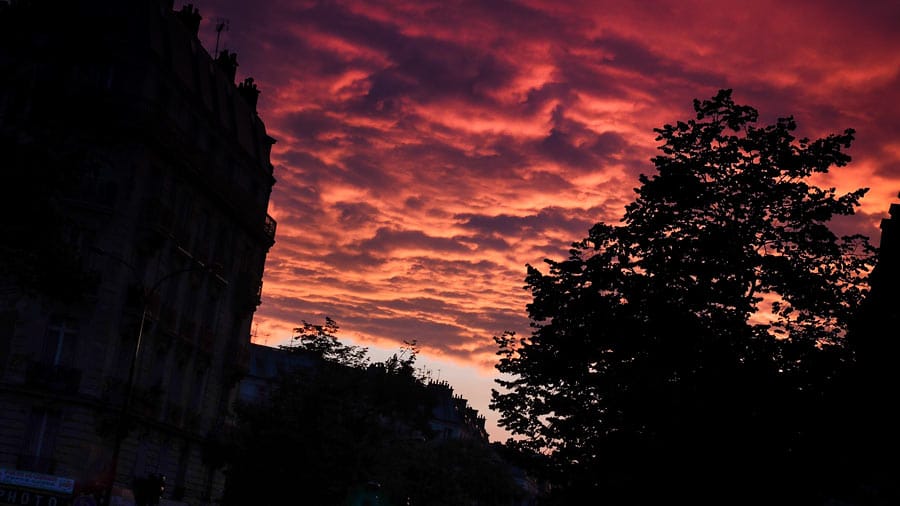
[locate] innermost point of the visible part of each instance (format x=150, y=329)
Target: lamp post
x=129, y=385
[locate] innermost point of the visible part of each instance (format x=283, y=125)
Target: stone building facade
x=147, y=169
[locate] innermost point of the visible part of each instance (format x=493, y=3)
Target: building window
x=60, y=341
x=176, y=387
x=185, y=213
x=40, y=441
x=7, y=330
x=198, y=390
x=158, y=367
x=222, y=251
x=200, y=244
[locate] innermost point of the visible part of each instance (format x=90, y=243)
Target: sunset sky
x=427, y=151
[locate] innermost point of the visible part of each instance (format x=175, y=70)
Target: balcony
x=54, y=378
x=247, y=293
x=269, y=227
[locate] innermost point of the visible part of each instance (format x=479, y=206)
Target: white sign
x=37, y=481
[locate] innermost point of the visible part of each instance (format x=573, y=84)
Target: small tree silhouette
x=321, y=340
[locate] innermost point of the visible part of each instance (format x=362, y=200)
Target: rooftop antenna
x=221, y=25
x=255, y=334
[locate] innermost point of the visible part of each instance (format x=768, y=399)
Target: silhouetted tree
x=690, y=352
x=447, y=472
x=333, y=428
x=308, y=443
x=322, y=341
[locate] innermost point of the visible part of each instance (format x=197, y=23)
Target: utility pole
x=123, y=415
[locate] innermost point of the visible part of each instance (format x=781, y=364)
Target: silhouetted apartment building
x=266, y=365
x=875, y=419
x=880, y=320
x=452, y=417
x=136, y=179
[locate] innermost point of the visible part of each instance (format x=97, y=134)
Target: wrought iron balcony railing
x=269, y=227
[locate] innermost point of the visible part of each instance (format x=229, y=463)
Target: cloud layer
x=428, y=150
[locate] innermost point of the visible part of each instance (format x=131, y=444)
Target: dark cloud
x=861, y=223
x=311, y=123
x=548, y=182
x=387, y=240
x=342, y=22
x=632, y=55
x=573, y=144
x=437, y=160
x=519, y=226
x=453, y=269
x=352, y=261
x=311, y=167
x=366, y=172
x=414, y=203
x=488, y=242
x=299, y=272
x=432, y=334
x=425, y=68
x=356, y=214
x=554, y=92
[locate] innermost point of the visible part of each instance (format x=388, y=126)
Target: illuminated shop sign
x=24, y=488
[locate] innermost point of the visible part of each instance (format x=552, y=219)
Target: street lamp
x=147, y=292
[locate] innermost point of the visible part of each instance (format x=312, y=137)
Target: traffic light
x=148, y=491
x=157, y=487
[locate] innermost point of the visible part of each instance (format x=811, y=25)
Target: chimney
x=228, y=62
x=249, y=91
x=191, y=18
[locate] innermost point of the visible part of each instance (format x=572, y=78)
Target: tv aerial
x=221, y=26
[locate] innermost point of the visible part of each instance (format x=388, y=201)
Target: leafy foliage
x=330, y=428
x=322, y=341
x=704, y=335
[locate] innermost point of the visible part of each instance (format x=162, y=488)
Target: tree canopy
x=342, y=430
x=690, y=351
x=322, y=341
